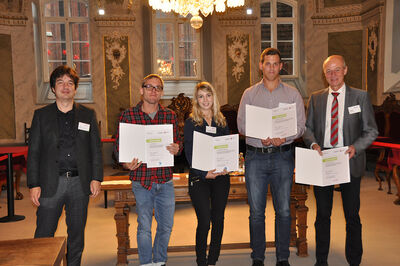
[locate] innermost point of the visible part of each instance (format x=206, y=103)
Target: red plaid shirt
x=135, y=115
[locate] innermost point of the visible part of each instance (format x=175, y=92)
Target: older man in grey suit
x=340, y=116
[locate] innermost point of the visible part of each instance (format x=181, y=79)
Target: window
x=176, y=48
x=61, y=34
x=66, y=38
x=279, y=30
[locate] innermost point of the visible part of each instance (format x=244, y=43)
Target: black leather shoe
x=321, y=263
x=283, y=263
x=257, y=263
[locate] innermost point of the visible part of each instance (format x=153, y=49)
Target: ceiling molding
x=115, y=21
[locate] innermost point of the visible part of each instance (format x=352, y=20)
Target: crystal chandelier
x=194, y=7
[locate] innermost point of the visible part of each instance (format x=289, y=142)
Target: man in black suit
x=340, y=116
x=64, y=162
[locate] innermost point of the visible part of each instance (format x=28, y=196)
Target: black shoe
x=258, y=263
x=283, y=263
x=321, y=263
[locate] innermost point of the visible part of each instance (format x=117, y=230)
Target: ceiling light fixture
x=194, y=7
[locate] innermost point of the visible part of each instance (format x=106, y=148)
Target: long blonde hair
x=197, y=115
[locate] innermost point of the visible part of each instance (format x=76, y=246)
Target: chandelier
x=194, y=7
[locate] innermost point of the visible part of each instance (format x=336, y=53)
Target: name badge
x=212, y=130
x=354, y=109
x=83, y=126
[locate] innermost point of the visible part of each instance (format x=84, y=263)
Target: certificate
x=148, y=143
x=280, y=122
x=329, y=169
x=215, y=152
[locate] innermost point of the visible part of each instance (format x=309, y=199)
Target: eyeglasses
x=150, y=87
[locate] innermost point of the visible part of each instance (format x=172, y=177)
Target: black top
x=66, y=155
x=189, y=128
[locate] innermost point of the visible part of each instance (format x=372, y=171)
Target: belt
x=272, y=149
x=69, y=173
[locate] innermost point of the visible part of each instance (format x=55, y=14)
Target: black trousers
x=351, y=207
x=69, y=194
x=209, y=198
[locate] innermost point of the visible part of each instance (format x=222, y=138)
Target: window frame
x=44, y=94
x=274, y=21
x=68, y=21
x=175, y=20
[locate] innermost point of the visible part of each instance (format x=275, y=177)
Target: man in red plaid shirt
x=153, y=187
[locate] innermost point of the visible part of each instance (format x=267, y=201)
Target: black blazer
x=42, y=169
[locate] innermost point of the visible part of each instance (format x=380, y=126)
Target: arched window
x=279, y=30
x=61, y=29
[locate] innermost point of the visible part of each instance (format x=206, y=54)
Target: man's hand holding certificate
x=220, y=153
x=329, y=169
x=147, y=143
x=263, y=123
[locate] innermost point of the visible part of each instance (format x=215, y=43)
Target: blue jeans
x=161, y=198
x=275, y=169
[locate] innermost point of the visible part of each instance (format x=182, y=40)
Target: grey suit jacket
x=42, y=169
x=359, y=129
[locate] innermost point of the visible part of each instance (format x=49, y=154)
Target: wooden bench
x=124, y=198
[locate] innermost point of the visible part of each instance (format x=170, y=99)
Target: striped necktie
x=335, y=120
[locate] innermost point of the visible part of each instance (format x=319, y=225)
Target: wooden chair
x=387, y=117
x=396, y=177
x=230, y=112
x=394, y=156
x=381, y=154
x=394, y=162
x=19, y=166
x=182, y=106
x=26, y=133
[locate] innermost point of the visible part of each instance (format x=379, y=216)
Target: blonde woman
x=208, y=189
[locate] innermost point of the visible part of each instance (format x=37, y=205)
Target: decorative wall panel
x=117, y=82
x=373, y=46
x=238, y=65
x=7, y=107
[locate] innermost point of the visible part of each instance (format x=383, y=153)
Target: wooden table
x=37, y=251
x=9, y=150
x=124, y=198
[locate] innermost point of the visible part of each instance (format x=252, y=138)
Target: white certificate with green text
x=280, y=122
x=329, y=169
x=215, y=152
x=148, y=143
